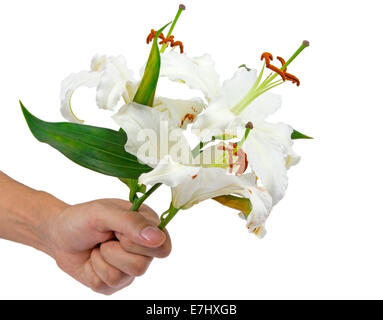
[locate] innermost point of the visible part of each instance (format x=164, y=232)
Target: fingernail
x=152, y=234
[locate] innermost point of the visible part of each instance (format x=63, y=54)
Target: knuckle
x=127, y=244
x=164, y=251
x=139, y=268
x=150, y=214
x=114, y=278
x=132, y=218
x=96, y=206
x=96, y=284
x=106, y=249
x=166, y=248
x=94, y=210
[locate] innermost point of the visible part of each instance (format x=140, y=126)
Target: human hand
x=83, y=243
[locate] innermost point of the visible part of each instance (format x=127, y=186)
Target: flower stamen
x=240, y=155
x=292, y=78
x=269, y=57
x=283, y=73
x=152, y=35
x=173, y=43
x=259, y=88
x=190, y=117
x=179, y=44
x=165, y=41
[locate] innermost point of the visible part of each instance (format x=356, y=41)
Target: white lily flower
x=194, y=184
x=112, y=79
x=268, y=146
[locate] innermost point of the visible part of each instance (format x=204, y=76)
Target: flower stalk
x=139, y=201
x=167, y=216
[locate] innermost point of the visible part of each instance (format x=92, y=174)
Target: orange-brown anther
x=240, y=158
x=269, y=57
x=167, y=40
x=243, y=162
x=189, y=117
x=292, y=78
x=173, y=43
x=179, y=44
x=283, y=62
x=151, y=36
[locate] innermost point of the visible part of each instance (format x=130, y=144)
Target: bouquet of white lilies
x=241, y=160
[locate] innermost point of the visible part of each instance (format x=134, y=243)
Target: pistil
x=165, y=43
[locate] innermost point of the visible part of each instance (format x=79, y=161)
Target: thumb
x=132, y=225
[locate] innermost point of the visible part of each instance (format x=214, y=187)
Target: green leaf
x=147, y=89
x=296, y=135
x=98, y=149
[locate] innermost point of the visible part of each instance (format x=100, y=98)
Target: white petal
x=209, y=183
x=265, y=105
x=292, y=159
x=98, y=63
x=69, y=85
x=260, y=232
x=266, y=157
x=181, y=112
x=170, y=173
x=262, y=203
x=116, y=80
x=197, y=73
x=281, y=134
x=151, y=135
x=236, y=88
x=135, y=119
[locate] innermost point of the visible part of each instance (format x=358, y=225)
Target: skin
x=100, y=243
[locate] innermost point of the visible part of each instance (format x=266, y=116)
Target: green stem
x=171, y=214
x=165, y=45
x=139, y=201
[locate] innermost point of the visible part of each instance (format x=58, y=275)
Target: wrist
x=44, y=222
x=26, y=215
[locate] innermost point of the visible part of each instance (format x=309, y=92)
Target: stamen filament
x=259, y=78
x=179, y=12
x=264, y=85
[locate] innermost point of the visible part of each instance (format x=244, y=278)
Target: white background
x=324, y=239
